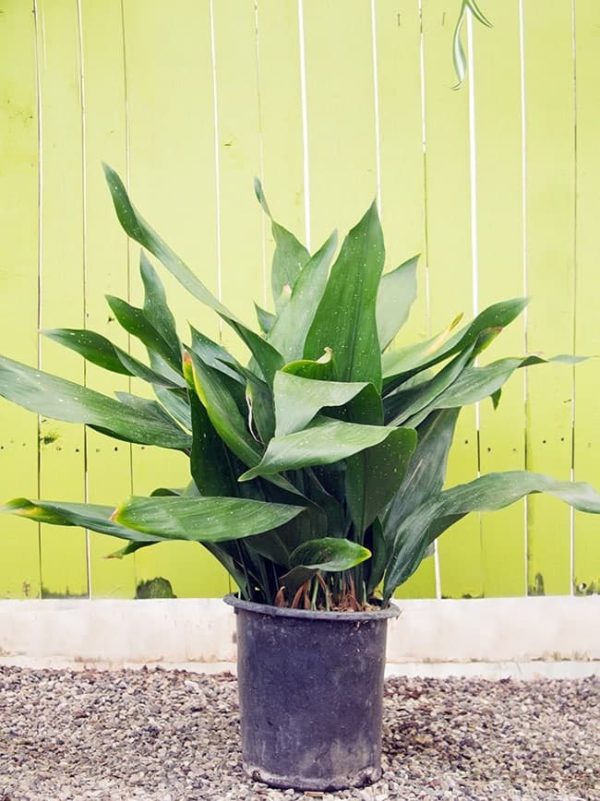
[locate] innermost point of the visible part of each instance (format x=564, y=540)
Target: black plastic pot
x=311, y=695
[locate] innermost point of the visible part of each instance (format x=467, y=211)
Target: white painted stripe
x=213, y=54
x=306, y=170
x=525, y=265
x=376, y=107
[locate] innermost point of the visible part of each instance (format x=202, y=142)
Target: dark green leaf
x=137, y=228
x=63, y=400
x=266, y=319
x=215, y=356
x=210, y=463
x=376, y=543
x=412, y=406
x=216, y=394
x=488, y=493
x=374, y=475
x=156, y=308
x=289, y=330
x=290, y=255
x=298, y=400
x=331, y=554
x=203, y=519
x=134, y=321
x=345, y=320
x=325, y=442
x=87, y=515
x=424, y=477
x=477, y=383
x=294, y=579
x=176, y=403
x=426, y=354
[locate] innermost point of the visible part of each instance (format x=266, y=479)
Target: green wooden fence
x=496, y=185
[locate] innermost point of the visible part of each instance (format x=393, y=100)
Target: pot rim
x=390, y=611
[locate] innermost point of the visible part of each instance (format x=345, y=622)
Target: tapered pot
x=311, y=694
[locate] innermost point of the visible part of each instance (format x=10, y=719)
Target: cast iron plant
x=316, y=469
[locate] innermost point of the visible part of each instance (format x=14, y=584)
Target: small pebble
x=158, y=735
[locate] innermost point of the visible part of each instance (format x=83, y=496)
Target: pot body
x=311, y=695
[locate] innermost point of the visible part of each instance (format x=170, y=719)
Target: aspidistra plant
x=316, y=469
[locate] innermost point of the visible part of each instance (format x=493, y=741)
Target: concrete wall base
x=183, y=631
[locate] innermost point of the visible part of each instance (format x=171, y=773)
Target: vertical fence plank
x=450, y=268
x=550, y=278
x=586, y=576
x=341, y=114
x=108, y=461
x=241, y=231
x=497, y=77
x=19, y=539
x=63, y=550
x=280, y=120
x=172, y=179
x=402, y=185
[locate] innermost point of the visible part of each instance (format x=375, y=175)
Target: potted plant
x=316, y=472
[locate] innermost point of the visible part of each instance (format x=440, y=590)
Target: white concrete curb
x=516, y=631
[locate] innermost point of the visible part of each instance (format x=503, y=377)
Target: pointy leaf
x=330, y=554
x=266, y=319
x=397, y=291
x=345, y=320
x=320, y=369
x=325, y=442
x=87, y=515
x=99, y=350
x=298, y=400
x=406, y=361
x=290, y=255
x=134, y=321
x=424, y=477
x=63, y=400
x=411, y=406
x=488, y=493
x=215, y=356
x=289, y=330
x=203, y=519
x=477, y=383
x=175, y=401
x=138, y=229
x=156, y=308
x=216, y=393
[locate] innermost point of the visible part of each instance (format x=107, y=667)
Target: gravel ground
x=157, y=735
